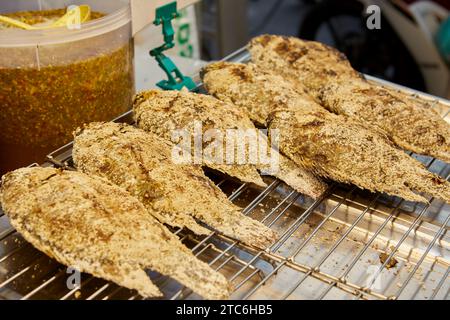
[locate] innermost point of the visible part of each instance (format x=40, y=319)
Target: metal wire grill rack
x=347, y=244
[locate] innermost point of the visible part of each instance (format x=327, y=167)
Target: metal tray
x=348, y=244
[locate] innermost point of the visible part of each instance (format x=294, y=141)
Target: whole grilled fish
x=178, y=195
x=427, y=104
x=161, y=112
x=88, y=223
x=246, y=86
x=329, y=78
x=331, y=145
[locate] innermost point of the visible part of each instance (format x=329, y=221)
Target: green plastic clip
x=176, y=80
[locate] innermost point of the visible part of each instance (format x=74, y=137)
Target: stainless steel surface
x=329, y=248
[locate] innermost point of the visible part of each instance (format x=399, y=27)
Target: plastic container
x=55, y=80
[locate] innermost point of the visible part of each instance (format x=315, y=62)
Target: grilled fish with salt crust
x=329, y=77
x=99, y=228
x=177, y=195
x=427, y=104
x=331, y=145
x=161, y=112
x=246, y=86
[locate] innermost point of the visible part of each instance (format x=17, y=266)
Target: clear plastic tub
x=54, y=80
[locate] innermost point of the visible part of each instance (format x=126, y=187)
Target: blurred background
x=411, y=46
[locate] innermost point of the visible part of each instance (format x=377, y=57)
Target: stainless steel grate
x=348, y=244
